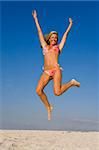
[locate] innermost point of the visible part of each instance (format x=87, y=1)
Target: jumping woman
x=51, y=69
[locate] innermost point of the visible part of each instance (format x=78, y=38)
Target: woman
x=52, y=70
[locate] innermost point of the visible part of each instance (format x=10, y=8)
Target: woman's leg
x=58, y=88
x=39, y=90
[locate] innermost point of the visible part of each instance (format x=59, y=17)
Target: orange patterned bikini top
x=54, y=48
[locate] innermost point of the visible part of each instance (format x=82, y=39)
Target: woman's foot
x=75, y=83
x=49, y=110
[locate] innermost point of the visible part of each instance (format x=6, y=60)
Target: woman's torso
x=50, y=56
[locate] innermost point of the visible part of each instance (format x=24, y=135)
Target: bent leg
x=58, y=88
x=39, y=90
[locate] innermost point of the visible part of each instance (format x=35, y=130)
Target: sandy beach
x=48, y=140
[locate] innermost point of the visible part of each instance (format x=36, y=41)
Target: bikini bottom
x=51, y=72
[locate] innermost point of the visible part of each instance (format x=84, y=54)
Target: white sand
x=48, y=140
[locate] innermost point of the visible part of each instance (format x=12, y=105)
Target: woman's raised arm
x=65, y=35
x=41, y=37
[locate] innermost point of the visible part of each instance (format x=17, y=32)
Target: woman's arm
x=41, y=37
x=65, y=35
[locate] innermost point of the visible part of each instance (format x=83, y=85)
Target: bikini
x=55, y=48
x=51, y=72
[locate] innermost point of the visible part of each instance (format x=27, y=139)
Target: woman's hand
x=70, y=21
x=34, y=14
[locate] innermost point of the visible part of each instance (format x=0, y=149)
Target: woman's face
x=53, y=39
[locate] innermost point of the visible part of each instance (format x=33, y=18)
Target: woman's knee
x=38, y=91
x=57, y=92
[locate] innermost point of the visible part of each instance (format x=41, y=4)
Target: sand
x=48, y=140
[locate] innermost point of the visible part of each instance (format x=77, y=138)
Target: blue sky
x=22, y=61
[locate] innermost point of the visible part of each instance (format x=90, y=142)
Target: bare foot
x=75, y=83
x=49, y=110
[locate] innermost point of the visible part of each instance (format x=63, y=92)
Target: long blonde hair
x=47, y=36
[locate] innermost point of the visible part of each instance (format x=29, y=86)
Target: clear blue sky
x=22, y=61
